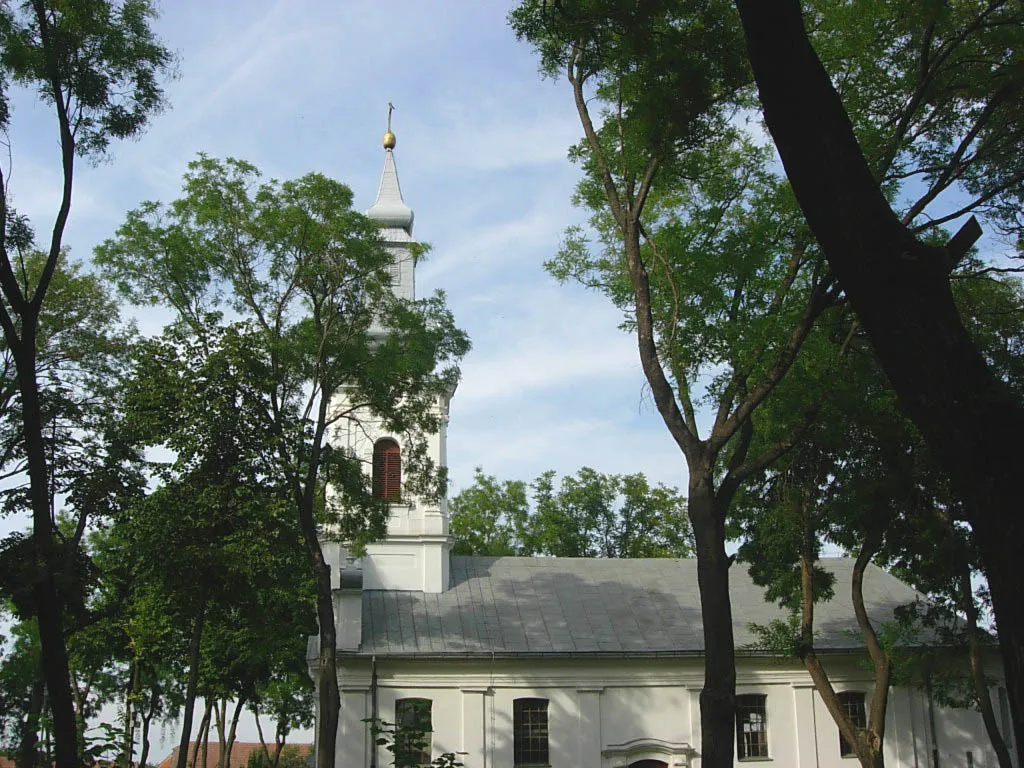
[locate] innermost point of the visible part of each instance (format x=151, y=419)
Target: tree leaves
x=588, y=515
x=102, y=56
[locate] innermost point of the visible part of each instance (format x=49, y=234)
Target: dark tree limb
x=900, y=290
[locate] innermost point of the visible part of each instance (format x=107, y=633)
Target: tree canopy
x=590, y=514
x=283, y=289
x=698, y=238
x=962, y=63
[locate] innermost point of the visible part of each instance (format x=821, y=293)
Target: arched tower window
x=387, y=470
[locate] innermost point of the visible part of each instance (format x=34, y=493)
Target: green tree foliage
x=701, y=245
x=97, y=64
x=303, y=278
x=287, y=696
x=214, y=548
x=21, y=691
x=863, y=480
x=83, y=346
x=206, y=578
x=93, y=471
x=588, y=515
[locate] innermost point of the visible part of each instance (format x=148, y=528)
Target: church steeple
x=415, y=553
x=390, y=209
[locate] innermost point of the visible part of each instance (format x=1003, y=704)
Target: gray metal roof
x=523, y=605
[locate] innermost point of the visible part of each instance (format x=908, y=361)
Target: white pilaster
x=695, y=724
x=474, y=729
x=354, y=742
x=590, y=741
x=806, y=730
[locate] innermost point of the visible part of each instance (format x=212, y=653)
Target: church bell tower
x=415, y=554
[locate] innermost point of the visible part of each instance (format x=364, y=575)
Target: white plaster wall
x=633, y=712
x=955, y=732
x=598, y=703
x=419, y=565
x=359, y=436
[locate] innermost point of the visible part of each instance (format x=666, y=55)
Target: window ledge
x=754, y=759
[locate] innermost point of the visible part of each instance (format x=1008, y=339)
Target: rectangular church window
x=852, y=703
x=530, y=732
x=751, y=726
x=413, y=732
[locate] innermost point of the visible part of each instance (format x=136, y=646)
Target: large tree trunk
x=330, y=698
x=147, y=718
x=48, y=604
x=28, y=742
x=131, y=706
x=718, y=697
x=822, y=683
x=900, y=290
x=232, y=730
x=80, y=695
x=259, y=732
x=327, y=678
x=988, y=716
x=199, y=745
x=193, y=683
x=871, y=741
x=203, y=744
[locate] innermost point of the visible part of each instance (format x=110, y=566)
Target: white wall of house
x=611, y=712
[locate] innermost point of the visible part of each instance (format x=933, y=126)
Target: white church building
x=563, y=662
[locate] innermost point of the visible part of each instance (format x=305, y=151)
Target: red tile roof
x=240, y=753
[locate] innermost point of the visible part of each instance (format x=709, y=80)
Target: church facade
x=564, y=662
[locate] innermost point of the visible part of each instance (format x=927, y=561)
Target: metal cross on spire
x=389, y=137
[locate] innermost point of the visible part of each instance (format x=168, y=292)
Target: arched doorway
x=647, y=752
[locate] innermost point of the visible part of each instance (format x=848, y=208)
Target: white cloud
x=532, y=371
x=502, y=135
x=487, y=248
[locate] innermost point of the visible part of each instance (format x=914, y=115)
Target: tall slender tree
x=713, y=246
x=97, y=64
x=306, y=276
x=699, y=244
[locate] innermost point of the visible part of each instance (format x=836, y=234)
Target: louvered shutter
x=387, y=470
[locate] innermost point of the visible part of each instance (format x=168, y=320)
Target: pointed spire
x=390, y=209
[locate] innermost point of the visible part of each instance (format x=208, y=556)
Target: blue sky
x=303, y=85
x=300, y=85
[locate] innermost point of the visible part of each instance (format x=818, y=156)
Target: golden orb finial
x=389, y=137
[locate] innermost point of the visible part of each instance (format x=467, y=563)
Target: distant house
x=574, y=663
x=241, y=751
